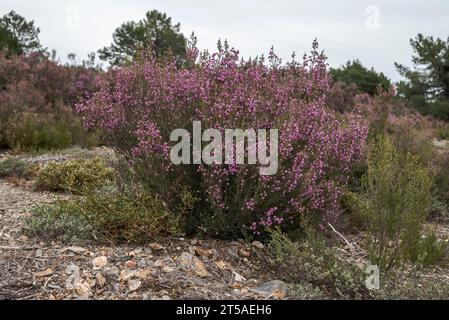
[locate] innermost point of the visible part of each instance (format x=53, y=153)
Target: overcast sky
x=374, y=31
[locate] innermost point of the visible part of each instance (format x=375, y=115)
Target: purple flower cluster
x=139, y=105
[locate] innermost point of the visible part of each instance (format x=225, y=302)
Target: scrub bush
x=139, y=105
x=132, y=216
x=16, y=168
x=396, y=202
x=75, y=176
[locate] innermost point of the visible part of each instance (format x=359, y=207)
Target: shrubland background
x=357, y=152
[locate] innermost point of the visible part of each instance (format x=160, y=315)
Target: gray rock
x=134, y=285
x=111, y=272
x=143, y=262
x=38, y=253
x=233, y=254
x=259, y=245
x=276, y=289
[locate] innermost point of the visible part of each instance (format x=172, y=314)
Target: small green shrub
x=315, y=272
x=130, y=216
x=396, y=201
x=13, y=167
x=351, y=203
x=442, y=178
x=439, y=211
x=443, y=133
x=430, y=251
x=76, y=176
x=412, y=141
x=412, y=286
x=28, y=131
x=62, y=220
x=312, y=261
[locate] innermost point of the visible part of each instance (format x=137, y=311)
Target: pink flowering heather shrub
x=139, y=106
x=38, y=94
x=41, y=81
x=342, y=96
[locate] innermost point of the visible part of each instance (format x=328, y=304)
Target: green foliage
x=351, y=203
x=312, y=261
x=427, y=86
x=429, y=251
x=8, y=42
x=315, y=271
x=33, y=132
x=396, y=200
x=18, y=35
x=13, y=167
x=413, y=286
x=442, y=178
x=417, y=142
x=439, y=210
x=367, y=81
x=132, y=216
x=76, y=176
x=443, y=133
x=155, y=31
x=61, y=221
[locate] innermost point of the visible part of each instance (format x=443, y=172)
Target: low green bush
x=132, y=216
x=312, y=261
x=413, y=286
x=442, y=178
x=439, y=211
x=430, y=251
x=62, y=220
x=13, y=167
x=30, y=131
x=443, y=133
x=351, y=203
x=314, y=271
x=75, y=176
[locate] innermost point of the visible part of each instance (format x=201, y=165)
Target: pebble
x=233, y=254
x=131, y=264
x=275, y=289
x=100, y=262
x=100, y=280
x=156, y=246
x=244, y=253
x=258, y=245
x=134, y=285
x=38, y=253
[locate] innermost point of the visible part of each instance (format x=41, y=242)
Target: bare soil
x=170, y=269
x=31, y=269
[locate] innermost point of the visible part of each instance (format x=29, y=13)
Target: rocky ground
x=171, y=269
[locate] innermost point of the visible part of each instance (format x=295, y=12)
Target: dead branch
x=350, y=245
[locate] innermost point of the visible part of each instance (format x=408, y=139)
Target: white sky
x=345, y=29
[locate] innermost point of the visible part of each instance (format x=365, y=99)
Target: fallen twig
x=350, y=245
x=18, y=248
